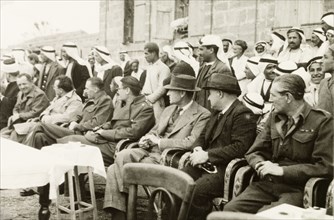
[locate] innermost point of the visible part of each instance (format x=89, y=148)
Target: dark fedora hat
x=183, y=83
x=224, y=83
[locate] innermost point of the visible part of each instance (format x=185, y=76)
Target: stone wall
x=250, y=20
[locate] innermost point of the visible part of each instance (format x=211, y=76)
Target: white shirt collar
x=209, y=63
x=226, y=108
x=184, y=108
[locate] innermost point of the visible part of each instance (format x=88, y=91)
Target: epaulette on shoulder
x=324, y=112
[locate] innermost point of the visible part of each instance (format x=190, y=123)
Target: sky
x=18, y=18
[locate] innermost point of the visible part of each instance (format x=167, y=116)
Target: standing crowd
x=274, y=109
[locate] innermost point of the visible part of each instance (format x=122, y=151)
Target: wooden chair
x=168, y=182
x=315, y=192
x=125, y=144
x=175, y=158
x=233, y=216
x=329, y=198
x=243, y=177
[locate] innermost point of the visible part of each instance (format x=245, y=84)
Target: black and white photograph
x=166, y=109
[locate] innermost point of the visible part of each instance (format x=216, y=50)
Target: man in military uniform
x=295, y=145
x=133, y=117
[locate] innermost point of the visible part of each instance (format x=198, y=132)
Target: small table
x=286, y=211
x=81, y=156
x=23, y=166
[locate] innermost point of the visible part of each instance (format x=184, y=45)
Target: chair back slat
x=176, y=182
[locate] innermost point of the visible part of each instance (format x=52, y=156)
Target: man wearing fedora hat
x=179, y=126
x=211, y=50
x=229, y=133
x=50, y=71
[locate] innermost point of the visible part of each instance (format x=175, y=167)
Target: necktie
x=176, y=114
x=287, y=125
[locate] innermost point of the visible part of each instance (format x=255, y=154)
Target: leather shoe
x=44, y=213
x=28, y=192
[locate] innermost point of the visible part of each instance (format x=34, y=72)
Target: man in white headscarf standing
x=50, y=71
x=76, y=68
x=210, y=50
x=106, y=69
x=318, y=39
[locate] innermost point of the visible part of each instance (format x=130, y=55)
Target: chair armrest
x=242, y=179
x=122, y=144
x=125, y=144
x=174, y=158
x=230, y=172
x=329, y=198
x=315, y=191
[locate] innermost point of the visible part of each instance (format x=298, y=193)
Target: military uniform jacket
x=132, y=121
x=32, y=104
x=304, y=152
x=230, y=136
x=95, y=112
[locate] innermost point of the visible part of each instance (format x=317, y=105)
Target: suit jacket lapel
x=51, y=73
x=164, y=121
x=72, y=70
x=222, y=121
x=211, y=125
x=211, y=70
x=185, y=118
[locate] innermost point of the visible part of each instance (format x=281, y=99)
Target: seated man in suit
x=230, y=132
x=295, y=145
x=179, y=126
x=31, y=101
x=96, y=111
x=133, y=117
x=63, y=108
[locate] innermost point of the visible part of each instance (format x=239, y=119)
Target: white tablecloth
x=23, y=166
x=286, y=211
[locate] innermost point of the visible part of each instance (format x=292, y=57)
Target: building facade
x=129, y=24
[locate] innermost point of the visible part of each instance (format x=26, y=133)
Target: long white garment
x=239, y=65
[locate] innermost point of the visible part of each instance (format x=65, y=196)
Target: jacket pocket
x=302, y=145
x=303, y=137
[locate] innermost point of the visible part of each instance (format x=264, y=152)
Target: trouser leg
x=208, y=187
x=255, y=196
x=116, y=192
x=43, y=191
x=286, y=194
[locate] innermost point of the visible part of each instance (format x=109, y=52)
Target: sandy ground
x=13, y=206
